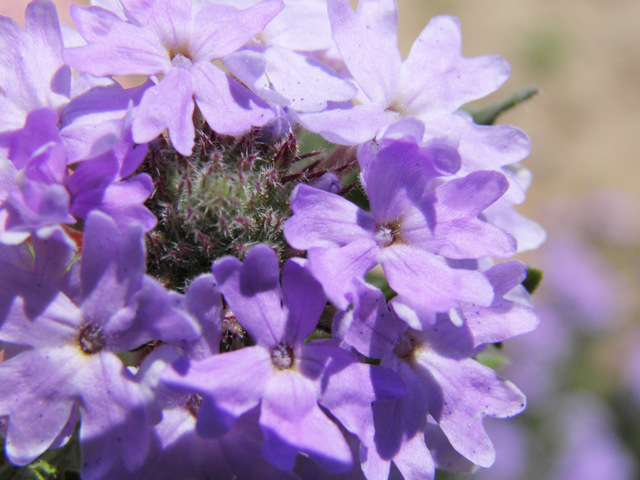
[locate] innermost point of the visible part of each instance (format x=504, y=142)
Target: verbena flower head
x=248, y=343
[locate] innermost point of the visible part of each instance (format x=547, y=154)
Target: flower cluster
x=209, y=301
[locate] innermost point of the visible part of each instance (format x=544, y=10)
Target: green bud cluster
x=230, y=194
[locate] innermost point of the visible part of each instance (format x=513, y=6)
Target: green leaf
x=488, y=114
x=534, y=277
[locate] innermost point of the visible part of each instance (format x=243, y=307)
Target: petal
x=368, y=42
x=436, y=76
x=422, y=276
x=529, y=234
x=112, y=266
x=232, y=384
x=92, y=123
x=115, y=47
x=335, y=268
x=323, y=219
x=449, y=227
x=37, y=393
x=307, y=83
x=469, y=391
x=483, y=147
x=150, y=316
x=228, y=107
x=252, y=290
x=346, y=124
x=414, y=460
x=505, y=318
x=291, y=419
x=444, y=455
x=368, y=327
x=113, y=424
x=204, y=302
x=303, y=300
x=40, y=129
x=225, y=29
x=169, y=20
x=348, y=388
x=38, y=316
x=398, y=176
x=167, y=105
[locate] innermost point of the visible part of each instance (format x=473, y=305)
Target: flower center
x=194, y=403
x=91, y=339
x=282, y=357
x=181, y=61
x=387, y=233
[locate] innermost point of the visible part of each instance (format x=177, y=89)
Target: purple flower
x=289, y=379
x=448, y=384
x=44, y=194
x=69, y=357
x=174, y=437
x=32, y=73
x=408, y=230
x=162, y=38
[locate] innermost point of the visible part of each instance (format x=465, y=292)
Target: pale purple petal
x=112, y=266
x=368, y=327
x=346, y=124
x=448, y=225
x=348, y=388
x=252, y=290
x=115, y=47
x=168, y=105
x=397, y=177
x=291, y=419
x=303, y=300
x=335, y=268
x=421, y=275
x=92, y=123
x=39, y=129
x=168, y=19
x=307, y=83
x=150, y=316
x=113, y=423
x=228, y=107
x=37, y=315
x=469, y=391
x=414, y=460
x=323, y=219
x=436, y=76
x=444, y=455
x=505, y=318
x=204, y=302
x=233, y=383
x=249, y=66
x=482, y=147
x=225, y=29
x=367, y=40
x=35, y=393
x=529, y=234
x=301, y=26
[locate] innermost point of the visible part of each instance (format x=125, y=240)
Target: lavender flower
x=407, y=227
x=180, y=49
x=69, y=355
x=286, y=377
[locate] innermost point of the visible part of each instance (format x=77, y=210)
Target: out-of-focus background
x=581, y=369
